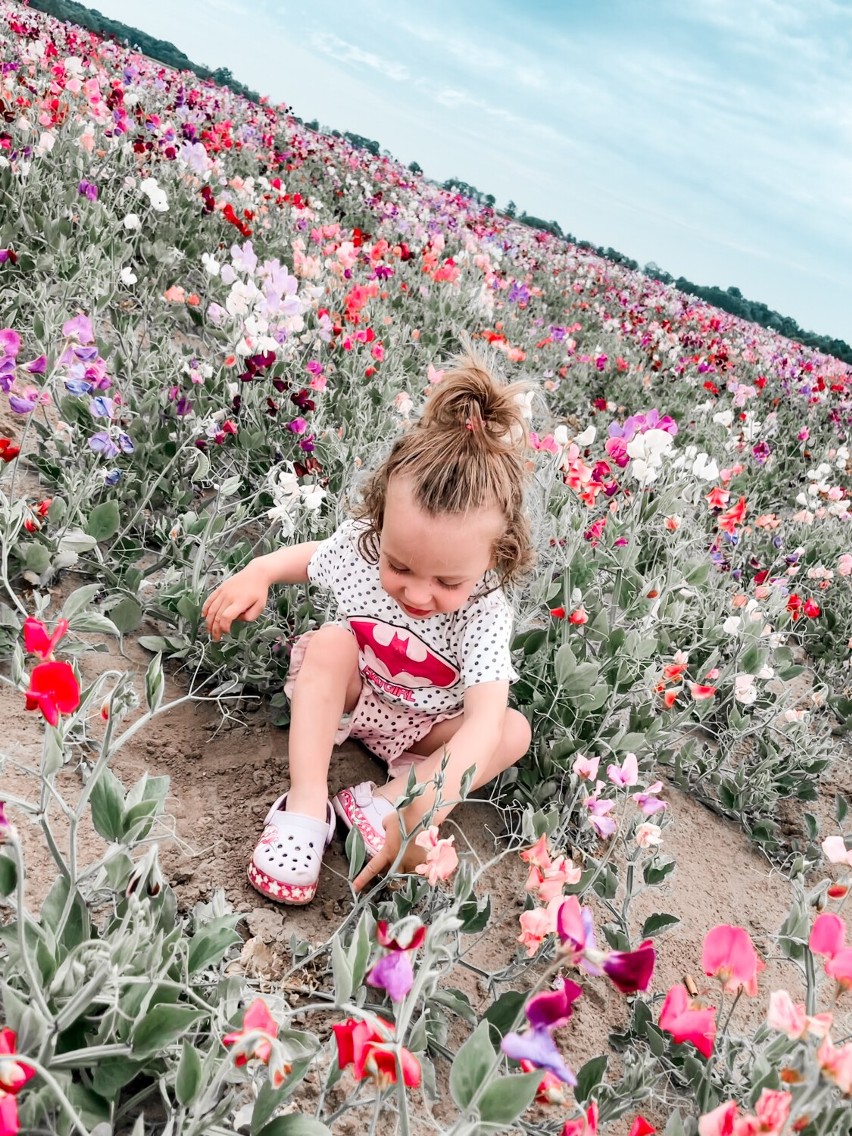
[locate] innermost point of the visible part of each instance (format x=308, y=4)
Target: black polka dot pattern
x=475, y=640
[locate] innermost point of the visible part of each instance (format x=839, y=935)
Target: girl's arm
x=244, y=595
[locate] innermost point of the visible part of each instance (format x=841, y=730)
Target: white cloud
x=345, y=52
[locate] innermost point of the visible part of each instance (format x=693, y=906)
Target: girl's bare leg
x=514, y=743
x=327, y=686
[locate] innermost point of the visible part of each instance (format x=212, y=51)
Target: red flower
x=578, y=617
x=812, y=609
x=36, y=639
x=54, y=690
x=8, y=452
x=372, y=1052
x=558, y=612
x=14, y=1074
x=641, y=1127
x=794, y=605
x=257, y=1019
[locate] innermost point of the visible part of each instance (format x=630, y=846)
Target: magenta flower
x=88, y=190
x=10, y=342
x=79, y=327
x=298, y=425
x=552, y=1008
x=631, y=971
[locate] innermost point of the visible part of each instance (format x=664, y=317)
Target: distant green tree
x=415, y=167
x=511, y=209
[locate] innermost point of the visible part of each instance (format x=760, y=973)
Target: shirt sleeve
x=331, y=556
x=486, y=642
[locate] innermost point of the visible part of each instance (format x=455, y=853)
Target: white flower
x=403, y=403
x=524, y=402
x=744, y=689
x=766, y=672
x=731, y=626
x=210, y=263
x=45, y=143
x=560, y=435
x=312, y=496
x=155, y=195
x=648, y=834
x=127, y=275
x=587, y=437
x=705, y=468
x=724, y=418
x=131, y=221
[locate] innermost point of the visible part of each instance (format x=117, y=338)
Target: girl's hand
x=241, y=597
x=382, y=861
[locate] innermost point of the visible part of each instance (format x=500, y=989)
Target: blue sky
x=713, y=137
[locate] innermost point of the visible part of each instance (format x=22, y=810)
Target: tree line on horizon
x=728, y=299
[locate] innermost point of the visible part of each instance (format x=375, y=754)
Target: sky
x=713, y=138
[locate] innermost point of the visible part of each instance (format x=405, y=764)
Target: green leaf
x=564, y=663
x=457, y=1002
x=841, y=808
x=8, y=875
x=154, y=683
x=655, y=871
x=153, y=643
x=506, y=1098
x=112, y=1074
x=36, y=557
x=79, y=599
x=126, y=615
x=474, y=915
x=504, y=1014
x=359, y=950
x=341, y=970
x=295, y=1125
x=656, y=923
x=188, y=1080
x=161, y=1027
x=472, y=1065
x=93, y=622
x=103, y=520
x=356, y=851
x=210, y=943
x=107, y=802
x=590, y=1077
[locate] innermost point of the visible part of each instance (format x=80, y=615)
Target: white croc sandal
x=358, y=807
x=285, y=865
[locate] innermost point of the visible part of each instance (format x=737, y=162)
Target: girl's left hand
x=383, y=860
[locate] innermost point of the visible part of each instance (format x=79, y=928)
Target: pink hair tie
x=474, y=423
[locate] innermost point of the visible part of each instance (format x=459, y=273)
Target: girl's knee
x=517, y=735
x=331, y=648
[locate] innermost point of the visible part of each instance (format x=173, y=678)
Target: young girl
x=416, y=661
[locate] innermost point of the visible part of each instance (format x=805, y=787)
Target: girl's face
x=432, y=564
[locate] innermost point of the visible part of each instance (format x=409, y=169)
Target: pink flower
x=685, y=1022
x=648, y=802
x=835, y=850
x=538, y=855
x=579, y=616
x=828, y=934
x=625, y=774
x=441, y=857
x=257, y=1019
x=790, y=1017
x=729, y=954
x=839, y=967
x=836, y=1063
x=719, y=1122
x=549, y=882
x=772, y=1110
x=536, y=925
x=586, y=767
x=844, y=565
x=701, y=692
x=603, y=825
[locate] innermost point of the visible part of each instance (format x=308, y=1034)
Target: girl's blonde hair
x=468, y=450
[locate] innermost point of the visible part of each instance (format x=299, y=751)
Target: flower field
x=211, y=320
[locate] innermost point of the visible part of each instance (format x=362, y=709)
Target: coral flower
x=370, y=1049
x=257, y=1019
x=441, y=857
x=685, y=1023
x=728, y=954
x=54, y=690
x=701, y=692
x=828, y=934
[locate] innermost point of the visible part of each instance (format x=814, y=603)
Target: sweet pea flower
x=686, y=1021
x=626, y=773
x=393, y=973
x=603, y=824
x=538, y=1047
x=551, y=1009
x=701, y=691
x=648, y=801
x=587, y=1125
x=441, y=857
x=551, y=1090
x=256, y=1020
x=835, y=851
x=836, y=1064
x=586, y=767
x=729, y=955
x=844, y=565
x=369, y=1047
x=648, y=835
x=54, y=690
x=536, y=925
x=14, y=1074
x=792, y=1019
x=36, y=639
x=10, y=343
x=631, y=971
x=828, y=934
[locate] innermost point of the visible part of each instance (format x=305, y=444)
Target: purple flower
x=79, y=328
x=184, y=406
x=37, y=366
x=112, y=476
x=307, y=444
x=77, y=386
x=393, y=974
x=552, y=1008
x=538, y=1046
x=100, y=407
x=630, y=971
x=88, y=190
x=7, y=374
x=648, y=802
x=125, y=443
x=298, y=425
x=22, y=405
x=103, y=444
